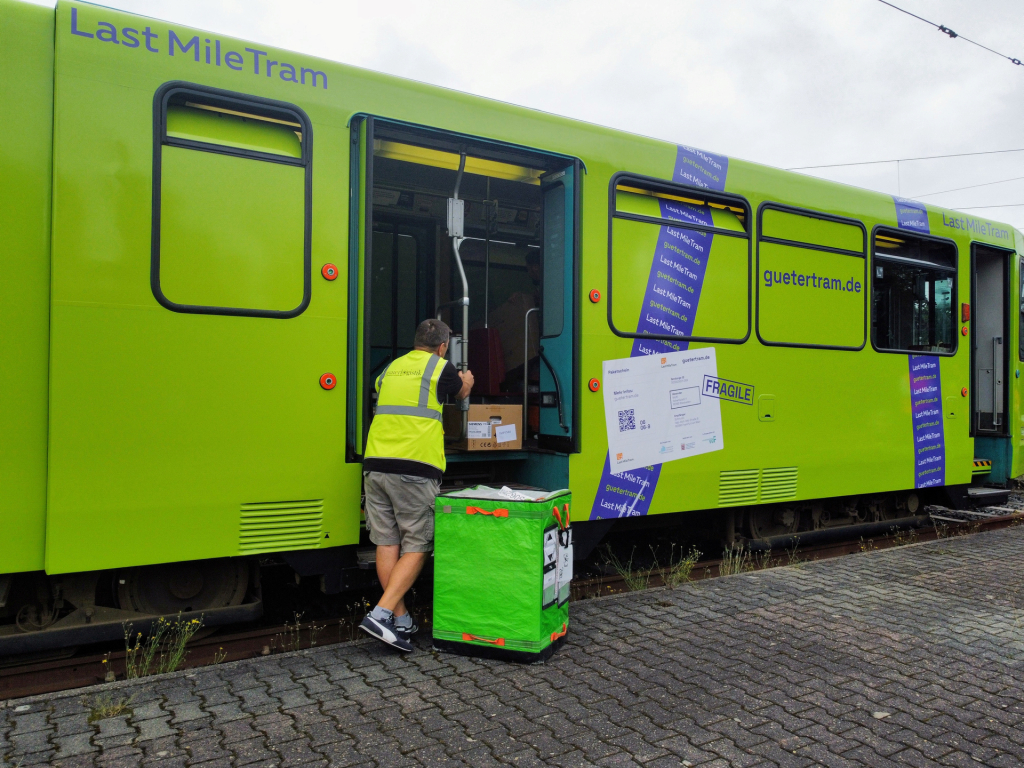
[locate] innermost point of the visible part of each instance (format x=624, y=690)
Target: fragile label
x=550, y=547
x=478, y=430
x=505, y=434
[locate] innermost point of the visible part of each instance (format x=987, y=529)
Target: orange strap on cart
x=500, y=641
x=563, y=524
x=556, y=634
x=480, y=510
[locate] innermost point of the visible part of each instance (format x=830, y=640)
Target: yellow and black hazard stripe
x=982, y=466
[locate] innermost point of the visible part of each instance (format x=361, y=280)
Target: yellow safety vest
x=407, y=423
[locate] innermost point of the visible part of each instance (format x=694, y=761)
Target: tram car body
x=211, y=248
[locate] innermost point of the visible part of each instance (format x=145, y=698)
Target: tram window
x=231, y=204
x=679, y=262
x=812, y=279
x=913, y=294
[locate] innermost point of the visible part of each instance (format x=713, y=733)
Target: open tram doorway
x=516, y=249
x=990, y=289
x=990, y=360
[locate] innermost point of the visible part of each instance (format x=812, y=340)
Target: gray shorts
x=400, y=510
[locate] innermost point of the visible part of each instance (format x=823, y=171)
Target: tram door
x=989, y=339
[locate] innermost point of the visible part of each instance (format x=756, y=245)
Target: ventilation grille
x=778, y=484
x=738, y=486
x=276, y=526
x=749, y=486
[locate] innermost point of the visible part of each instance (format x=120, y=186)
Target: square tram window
x=914, y=293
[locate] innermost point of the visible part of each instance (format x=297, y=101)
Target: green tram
x=210, y=249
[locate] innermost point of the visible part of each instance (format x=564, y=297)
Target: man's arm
x=454, y=383
x=467, y=384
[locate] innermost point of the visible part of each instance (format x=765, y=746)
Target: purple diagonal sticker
x=911, y=214
x=670, y=306
x=926, y=413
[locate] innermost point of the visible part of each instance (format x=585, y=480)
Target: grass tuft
x=678, y=571
x=634, y=578
x=104, y=705
x=163, y=650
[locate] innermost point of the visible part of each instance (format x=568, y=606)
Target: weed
x=108, y=669
x=678, y=571
x=355, y=615
x=903, y=538
x=104, y=705
x=867, y=545
x=314, y=631
x=219, y=655
x=164, y=650
x=291, y=638
x=735, y=560
x=793, y=557
x=635, y=579
x=761, y=560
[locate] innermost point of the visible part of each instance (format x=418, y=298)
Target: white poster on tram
x=656, y=411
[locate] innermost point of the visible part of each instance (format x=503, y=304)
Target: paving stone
x=909, y=656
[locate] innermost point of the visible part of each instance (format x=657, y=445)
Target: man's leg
x=387, y=558
x=413, y=500
x=384, y=532
x=401, y=578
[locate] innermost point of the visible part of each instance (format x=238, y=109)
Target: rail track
x=89, y=667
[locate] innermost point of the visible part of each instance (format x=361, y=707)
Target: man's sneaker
x=407, y=632
x=386, y=631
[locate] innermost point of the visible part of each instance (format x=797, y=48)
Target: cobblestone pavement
x=910, y=656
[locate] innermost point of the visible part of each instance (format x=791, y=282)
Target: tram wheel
x=772, y=521
x=197, y=585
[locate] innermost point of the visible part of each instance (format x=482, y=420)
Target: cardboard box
x=487, y=425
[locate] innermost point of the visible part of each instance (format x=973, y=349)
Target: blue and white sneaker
x=386, y=631
x=407, y=632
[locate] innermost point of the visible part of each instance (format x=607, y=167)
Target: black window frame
x=954, y=299
x=669, y=187
x=243, y=103
x=769, y=205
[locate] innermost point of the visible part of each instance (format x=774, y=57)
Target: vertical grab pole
x=997, y=357
x=526, y=371
x=457, y=238
x=487, y=255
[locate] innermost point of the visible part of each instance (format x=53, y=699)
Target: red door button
x=595, y=384
x=595, y=296
x=963, y=392
x=329, y=271
x=964, y=331
x=328, y=380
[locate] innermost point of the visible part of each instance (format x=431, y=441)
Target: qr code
x=626, y=420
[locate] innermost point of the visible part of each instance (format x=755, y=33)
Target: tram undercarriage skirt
x=788, y=541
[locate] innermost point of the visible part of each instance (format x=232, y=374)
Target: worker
x=402, y=468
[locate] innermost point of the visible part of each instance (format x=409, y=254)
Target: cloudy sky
x=784, y=82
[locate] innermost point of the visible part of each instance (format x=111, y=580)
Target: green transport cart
x=502, y=568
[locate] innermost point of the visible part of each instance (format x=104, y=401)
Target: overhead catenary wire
x=972, y=186
x=904, y=159
x=979, y=207
x=947, y=31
